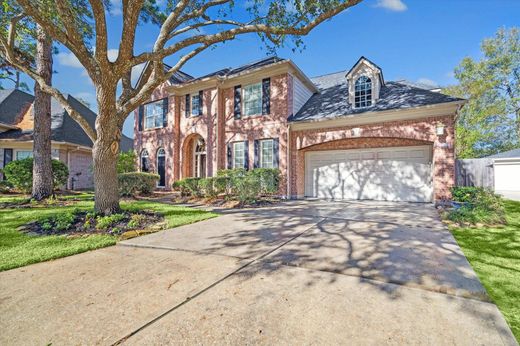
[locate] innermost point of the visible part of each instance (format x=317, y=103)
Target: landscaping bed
x=24, y=240
x=77, y=223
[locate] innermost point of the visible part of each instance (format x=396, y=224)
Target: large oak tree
x=186, y=28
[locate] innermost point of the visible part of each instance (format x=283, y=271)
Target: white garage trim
x=388, y=174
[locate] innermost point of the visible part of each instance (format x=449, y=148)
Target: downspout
x=288, y=161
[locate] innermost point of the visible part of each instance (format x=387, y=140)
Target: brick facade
x=218, y=127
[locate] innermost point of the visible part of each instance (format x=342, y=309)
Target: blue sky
x=418, y=40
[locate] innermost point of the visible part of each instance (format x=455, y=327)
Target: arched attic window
x=145, y=163
x=363, y=92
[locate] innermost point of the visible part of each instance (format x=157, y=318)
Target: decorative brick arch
x=187, y=154
x=389, y=134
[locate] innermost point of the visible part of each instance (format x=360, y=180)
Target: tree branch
x=100, y=23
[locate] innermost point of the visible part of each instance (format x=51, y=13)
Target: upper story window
x=267, y=153
x=239, y=155
x=154, y=114
x=363, y=92
x=195, y=105
x=252, y=103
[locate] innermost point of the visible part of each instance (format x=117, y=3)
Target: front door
x=161, y=171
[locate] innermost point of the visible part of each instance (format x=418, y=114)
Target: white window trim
x=261, y=158
x=371, y=93
x=160, y=102
x=235, y=156
x=244, y=99
x=191, y=105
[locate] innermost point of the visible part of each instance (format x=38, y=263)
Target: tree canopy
x=490, y=122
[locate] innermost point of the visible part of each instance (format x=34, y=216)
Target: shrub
x=247, y=188
x=126, y=162
x=480, y=206
x=269, y=179
x=207, y=187
x=60, y=222
x=19, y=174
x=104, y=222
x=135, y=183
x=188, y=187
x=5, y=186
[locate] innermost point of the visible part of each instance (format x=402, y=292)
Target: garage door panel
x=398, y=174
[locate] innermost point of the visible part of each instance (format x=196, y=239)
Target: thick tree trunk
x=42, y=165
x=105, y=154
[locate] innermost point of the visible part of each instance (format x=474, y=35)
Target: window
x=199, y=167
x=20, y=155
x=253, y=99
x=153, y=114
x=195, y=105
x=363, y=92
x=266, y=153
x=145, y=166
x=238, y=155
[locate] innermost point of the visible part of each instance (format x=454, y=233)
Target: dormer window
x=363, y=92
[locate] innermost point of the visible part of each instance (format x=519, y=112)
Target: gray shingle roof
x=332, y=99
x=12, y=103
x=64, y=128
x=506, y=154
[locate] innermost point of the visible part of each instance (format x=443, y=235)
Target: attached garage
x=384, y=174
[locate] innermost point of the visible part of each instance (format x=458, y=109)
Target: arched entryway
x=161, y=167
x=194, y=157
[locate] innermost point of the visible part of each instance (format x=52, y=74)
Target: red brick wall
x=398, y=133
x=273, y=125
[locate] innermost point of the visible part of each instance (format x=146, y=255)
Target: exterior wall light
x=440, y=129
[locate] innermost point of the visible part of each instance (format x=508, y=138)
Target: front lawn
x=19, y=249
x=494, y=253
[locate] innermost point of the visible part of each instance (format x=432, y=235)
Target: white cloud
x=116, y=7
x=69, y=59
x=428, y=82
x=112, y=54
x=392, y=5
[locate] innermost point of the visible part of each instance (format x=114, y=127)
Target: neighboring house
x=345, y=135
x=506, y=167
x=70, y=144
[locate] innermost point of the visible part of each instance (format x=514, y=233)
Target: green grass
x=18, y=249
x=494, y=253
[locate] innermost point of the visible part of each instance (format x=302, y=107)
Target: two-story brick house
x=346, y=135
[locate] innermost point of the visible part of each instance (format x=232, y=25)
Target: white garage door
x=385, y=174
x=506, y=176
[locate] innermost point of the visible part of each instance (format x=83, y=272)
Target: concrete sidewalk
x=299, y=273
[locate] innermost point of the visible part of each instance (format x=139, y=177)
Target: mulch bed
x=222, y=202
x=84, y=224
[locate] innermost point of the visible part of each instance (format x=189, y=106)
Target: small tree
x=185, y=29
x=127, y=162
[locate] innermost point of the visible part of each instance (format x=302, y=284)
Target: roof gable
x=368, y=63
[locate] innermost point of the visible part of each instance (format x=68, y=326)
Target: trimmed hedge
x=19, y=173
x=246, y=186
x=137, y=183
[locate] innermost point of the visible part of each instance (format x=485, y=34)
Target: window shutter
x=238, y=102
x=246, y=155
x=276, y=152
x=140, y=118
x=187, y=107
x=256, y=163
x=266, y=96
x=229, y=157
x=201, y=103
x=165, y=112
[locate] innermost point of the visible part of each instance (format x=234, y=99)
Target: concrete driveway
x=303, y=272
